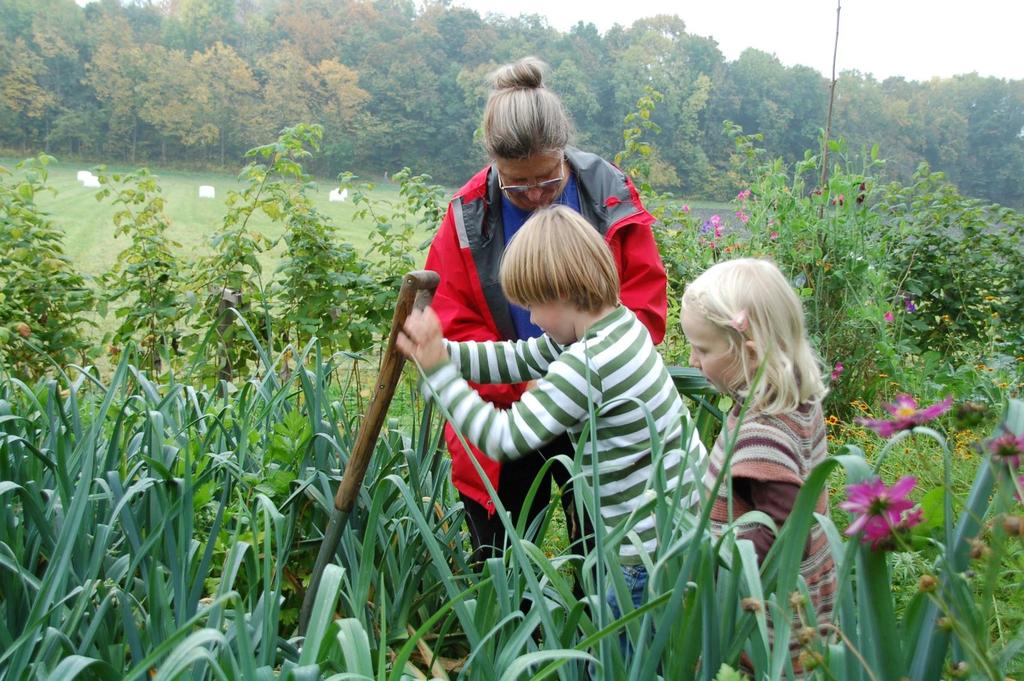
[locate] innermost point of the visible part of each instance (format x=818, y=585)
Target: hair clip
x=739, y=321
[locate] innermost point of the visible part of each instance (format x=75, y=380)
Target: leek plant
x=156, y=530
x=151, y=529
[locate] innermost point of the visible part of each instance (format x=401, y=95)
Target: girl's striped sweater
x=781, y=448
x=614, y=368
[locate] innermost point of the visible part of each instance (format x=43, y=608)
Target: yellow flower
x=832, y=420
x=861, y=405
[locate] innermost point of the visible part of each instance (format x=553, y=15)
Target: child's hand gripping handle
x=416, y=293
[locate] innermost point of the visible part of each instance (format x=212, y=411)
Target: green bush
x=960, y=262
x=45, y=305
x=905, y=289
x=211, y=312
x=146, y=284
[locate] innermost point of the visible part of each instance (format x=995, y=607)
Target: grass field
x=90, y=240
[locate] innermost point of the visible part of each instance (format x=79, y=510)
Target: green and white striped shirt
x=616, y=367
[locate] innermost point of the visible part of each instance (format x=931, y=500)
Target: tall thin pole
x=828, y=119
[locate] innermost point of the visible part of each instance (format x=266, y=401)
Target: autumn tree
x=396, y=83
x=338, y=104
x=225, y=97
x=23, y=95
x=196, y=25
x=118, y=73
x=312, y=27
x=173, y=100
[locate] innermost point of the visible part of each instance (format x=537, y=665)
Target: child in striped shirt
x=594, y=353
x=741, y=316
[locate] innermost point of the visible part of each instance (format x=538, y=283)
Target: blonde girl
x=747, y=335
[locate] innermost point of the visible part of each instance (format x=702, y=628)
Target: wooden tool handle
x=417, y=291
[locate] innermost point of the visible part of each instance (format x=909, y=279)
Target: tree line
x=198, y=82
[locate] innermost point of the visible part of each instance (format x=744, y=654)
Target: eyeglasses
x=544, y=186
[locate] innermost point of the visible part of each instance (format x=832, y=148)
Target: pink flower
x=1020, y=486
x=880, y=511
x=686, y=208
x=773, y=236
x=742, y=217
x=837, y=371
x=906, y=415
x=1007, y=449
x=719, y=230
x=715, y=221
x=888, y=316
x=743, y=195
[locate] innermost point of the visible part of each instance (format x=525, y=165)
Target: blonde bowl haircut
x=522, y=117
x=557, y=256
x=775, y=325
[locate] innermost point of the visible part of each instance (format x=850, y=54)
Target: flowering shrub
x=960, y=259
x=872, y=272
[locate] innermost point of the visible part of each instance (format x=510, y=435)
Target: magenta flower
x=908, y=304
x=719, y=230
x=743, y=195
x=837, y=371
x=888, y=316
x=906, y=415
x=742, y=217
x=880, y=511
x=1007, y=448
x=1020, y=486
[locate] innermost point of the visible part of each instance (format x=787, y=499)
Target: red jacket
x=466, y=253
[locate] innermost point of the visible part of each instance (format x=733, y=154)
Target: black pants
x=487, y=534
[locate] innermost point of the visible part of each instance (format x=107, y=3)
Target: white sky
x=917, y=39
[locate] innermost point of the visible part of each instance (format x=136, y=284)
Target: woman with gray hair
x=527, y=134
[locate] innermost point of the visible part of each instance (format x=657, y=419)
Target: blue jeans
x=636, y=582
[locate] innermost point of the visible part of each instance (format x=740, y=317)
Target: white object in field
x=338, y=196
x=83, y=175
x=207, y=192
x=91, y=181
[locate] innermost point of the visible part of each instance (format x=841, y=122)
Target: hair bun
x=528, y=72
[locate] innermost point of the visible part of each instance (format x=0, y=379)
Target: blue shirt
x=513, y=217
